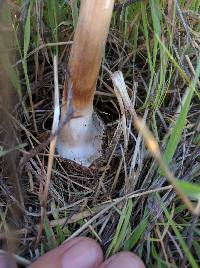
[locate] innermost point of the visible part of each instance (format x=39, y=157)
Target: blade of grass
x=146, y=34
x=74, y=8
x=51, y=149
x=136, y=234
x=55, y=125
x=27, y=30
x=52, y=243
x=156, y=17
x=179, y=238
x=196, y=246
x=52, y=7
x=121, y=228
x=177, y=130
x=181, y=71
x=189, y=189
x=18, y=147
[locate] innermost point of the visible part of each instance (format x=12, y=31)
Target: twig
x=54, y=129
x=41, y=47
x=52, y=148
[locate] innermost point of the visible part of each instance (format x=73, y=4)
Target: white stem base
x=80, y=140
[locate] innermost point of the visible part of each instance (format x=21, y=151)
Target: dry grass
x=124, y=200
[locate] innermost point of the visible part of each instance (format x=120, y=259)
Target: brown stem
x=85, y=59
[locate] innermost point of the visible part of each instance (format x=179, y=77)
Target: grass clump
x=125, y=200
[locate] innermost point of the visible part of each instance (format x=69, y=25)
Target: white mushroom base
x=80, y=139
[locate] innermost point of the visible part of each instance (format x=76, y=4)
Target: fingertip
x=78, y=252
x=84, y=254
x=123, y=259
x=7, y=261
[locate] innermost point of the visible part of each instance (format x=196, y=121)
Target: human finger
x=123, y=260
x=7, y=261
x=77, y=253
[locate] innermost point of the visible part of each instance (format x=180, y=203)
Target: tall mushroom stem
x=81, y=138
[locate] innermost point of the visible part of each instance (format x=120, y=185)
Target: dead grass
x=123, y=200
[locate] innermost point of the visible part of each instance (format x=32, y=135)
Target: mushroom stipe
x=80, y=139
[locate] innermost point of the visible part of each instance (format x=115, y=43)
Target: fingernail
x=124, y=260
x=84, y=254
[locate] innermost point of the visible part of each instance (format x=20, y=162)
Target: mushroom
x=80, y=139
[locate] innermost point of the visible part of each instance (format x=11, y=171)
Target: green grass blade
x=137, y=233
x=74, y=8
x=27, y=31
x=156, y=17
x=121, y=228
x=52, y=7
x=177, y=130
x=190, y=189
x=18, y=147
x=50, y=234
x=180, y=240
x=175, y=63
x=196, y=246
x=146, y=34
